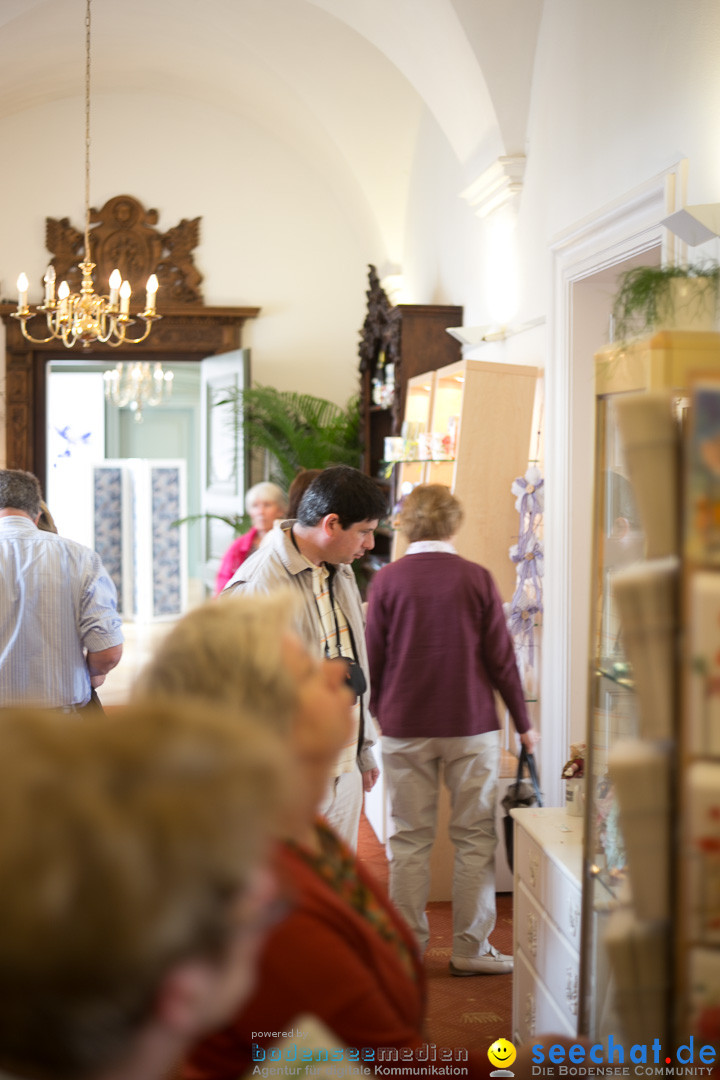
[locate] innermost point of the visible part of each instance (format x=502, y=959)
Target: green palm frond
x=299, y=431
x=239, y=523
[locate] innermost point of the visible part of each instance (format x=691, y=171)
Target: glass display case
x=469, y=426
x=612, y=716
x=620, y=944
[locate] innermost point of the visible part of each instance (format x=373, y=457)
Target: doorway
x=586, y=262
x=83, y=429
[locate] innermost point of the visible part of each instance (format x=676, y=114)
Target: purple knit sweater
x=438, y=647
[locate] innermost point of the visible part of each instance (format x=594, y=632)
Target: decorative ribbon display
x=528, y=555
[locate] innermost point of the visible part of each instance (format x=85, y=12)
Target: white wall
x=275, y=232
x=621, y=92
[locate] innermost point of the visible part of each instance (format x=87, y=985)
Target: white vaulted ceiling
x=349, y=81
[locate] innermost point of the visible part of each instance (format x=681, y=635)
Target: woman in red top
x=265, y=503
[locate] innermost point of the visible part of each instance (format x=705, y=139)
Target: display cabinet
x=397, y=342
x=633, y=915
x=469, y=425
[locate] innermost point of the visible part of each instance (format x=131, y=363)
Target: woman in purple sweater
x=438, y=649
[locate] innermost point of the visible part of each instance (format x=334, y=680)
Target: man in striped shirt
x=60, y=633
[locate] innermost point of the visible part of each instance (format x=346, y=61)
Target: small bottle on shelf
x=388, y=391
x=378, y=383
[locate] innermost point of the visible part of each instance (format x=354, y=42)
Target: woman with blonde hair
x=265, y=503
x=343, y=954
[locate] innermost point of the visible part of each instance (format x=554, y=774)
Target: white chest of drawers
x=546, y=922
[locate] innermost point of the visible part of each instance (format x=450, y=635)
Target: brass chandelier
x=137, y=385
x=86, y=317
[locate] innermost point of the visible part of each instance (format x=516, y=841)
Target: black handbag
x=520, y=793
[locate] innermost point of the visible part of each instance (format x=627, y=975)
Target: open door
x=224, y=452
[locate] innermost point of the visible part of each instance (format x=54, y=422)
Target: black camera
x=355, y=677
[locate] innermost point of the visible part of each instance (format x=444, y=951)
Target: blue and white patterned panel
x=108, y=510
x=136, y=545
x=75, y=436
x=166, y=483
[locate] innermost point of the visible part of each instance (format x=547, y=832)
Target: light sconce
x=695, y=224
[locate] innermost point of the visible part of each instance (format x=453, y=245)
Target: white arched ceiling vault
x=345, y=83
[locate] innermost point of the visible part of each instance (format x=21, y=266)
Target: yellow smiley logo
x=502, y=1053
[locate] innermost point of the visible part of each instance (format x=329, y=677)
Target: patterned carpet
x=471, y=1012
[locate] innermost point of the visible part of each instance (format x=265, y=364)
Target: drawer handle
x=532, y=934
x=534, y=868
x=529, y=1016
x=571, y=990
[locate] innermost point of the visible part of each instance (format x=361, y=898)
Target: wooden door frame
x=184, y=334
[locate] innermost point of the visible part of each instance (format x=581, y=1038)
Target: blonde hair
x=430, y=512
x=270, y=492
x=230, y=650
x=124, y=848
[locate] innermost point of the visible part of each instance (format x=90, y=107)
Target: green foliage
x=239, y=523
x=298, y=431
x=643, y=294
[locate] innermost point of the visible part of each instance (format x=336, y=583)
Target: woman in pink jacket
x=265, y=503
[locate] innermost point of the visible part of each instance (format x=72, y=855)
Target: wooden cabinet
x=412, y=338
x=546, y=923
x=487, y=410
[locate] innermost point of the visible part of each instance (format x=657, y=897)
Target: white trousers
x=412, y=773
x=342, y=805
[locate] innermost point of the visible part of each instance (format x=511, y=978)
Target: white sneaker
x=490, y=963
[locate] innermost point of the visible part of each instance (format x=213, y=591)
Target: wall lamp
x=695, y=224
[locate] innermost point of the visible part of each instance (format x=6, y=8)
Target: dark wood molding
x=184, y=334
x=380, y=333
x=122, y=234
x=413, y=337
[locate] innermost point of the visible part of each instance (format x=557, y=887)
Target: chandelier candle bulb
x=22, y=287
x=49, y=280
x=152, y=288
x=114, y=283
x=63, y=294
x=125, y=292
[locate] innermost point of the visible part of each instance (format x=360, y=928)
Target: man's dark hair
x=20, y=491
x=344, y=491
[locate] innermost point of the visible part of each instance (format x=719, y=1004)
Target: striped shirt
x=56, y=601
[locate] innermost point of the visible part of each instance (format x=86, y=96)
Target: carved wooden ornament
x=380, y=333
x=123, y=234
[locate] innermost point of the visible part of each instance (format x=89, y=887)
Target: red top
x=234, y=557
x=360, y=974
x=327, y=959
x=438, y=649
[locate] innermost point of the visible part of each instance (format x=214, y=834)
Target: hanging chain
x=87, y=131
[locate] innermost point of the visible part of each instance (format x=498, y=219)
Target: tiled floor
x=141, y=639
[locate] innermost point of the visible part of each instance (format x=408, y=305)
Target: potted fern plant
x=299, y=431
x=668, y=297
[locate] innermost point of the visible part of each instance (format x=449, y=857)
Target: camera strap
x=331, y=573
